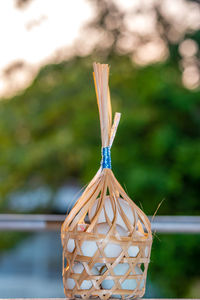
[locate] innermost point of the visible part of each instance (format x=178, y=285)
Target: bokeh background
x=49, y=128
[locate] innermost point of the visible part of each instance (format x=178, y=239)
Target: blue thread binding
x=106, y=158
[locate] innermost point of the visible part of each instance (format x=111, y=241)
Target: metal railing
x=30, y=222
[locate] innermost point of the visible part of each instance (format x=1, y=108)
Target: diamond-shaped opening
x=127, y=211
x=121, y=230
x=98, y=266
x=70, y=245
x=138, y=270
x=108, y=209
x=112, y=250
x=141, y=226
x=133, y=251
x=86, y=219
x=89, y=248
x=95, y=271
x=120, y=221
x=101, y=217
x=70, y=283
x=107, y=284
x=103, y=228
x=107, y=191
x=142, y=267
x=141, y=284
x=140, y=229
x=118, y=296
x=139, y=234
x=86, y=285
x=92, y=212
x=146, y=251
x=103, y=269
x=129, y=284
x=65, y=263
x=78, y=268
x=121, y=269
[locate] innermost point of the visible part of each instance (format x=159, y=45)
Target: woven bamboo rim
x=106, y=237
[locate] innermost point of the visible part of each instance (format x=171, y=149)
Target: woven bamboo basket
x=106, y=237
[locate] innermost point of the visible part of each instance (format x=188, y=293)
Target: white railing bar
x=33, y=222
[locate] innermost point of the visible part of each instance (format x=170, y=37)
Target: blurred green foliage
x=11, y=239
x=50, y=134
x=174, y=265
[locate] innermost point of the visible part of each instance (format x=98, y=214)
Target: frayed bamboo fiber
x=106, y=237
